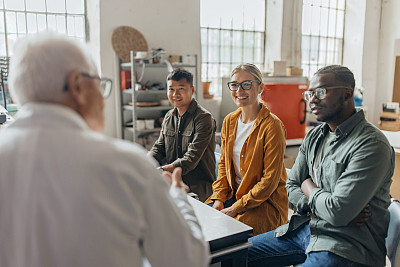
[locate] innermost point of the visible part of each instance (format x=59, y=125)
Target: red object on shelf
x=126, y=80
x=286, y=101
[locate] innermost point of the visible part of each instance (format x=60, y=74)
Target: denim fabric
x=268, y=250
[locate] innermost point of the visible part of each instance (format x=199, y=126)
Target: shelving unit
x=131, y=113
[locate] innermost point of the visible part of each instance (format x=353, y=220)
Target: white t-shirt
x=73, y=197
x=243, y=131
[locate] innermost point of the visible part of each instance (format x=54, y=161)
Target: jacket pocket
x=187, y=138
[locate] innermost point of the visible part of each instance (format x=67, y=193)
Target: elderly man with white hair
x=70, y=196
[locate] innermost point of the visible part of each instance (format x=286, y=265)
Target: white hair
x=40, y=65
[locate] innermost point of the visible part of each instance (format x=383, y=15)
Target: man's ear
x=349, y=93
x=192, y=90
x=73, y=87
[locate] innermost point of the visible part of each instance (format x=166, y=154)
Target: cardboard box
x=279, y=68
x=389, y=121
x=294, y=71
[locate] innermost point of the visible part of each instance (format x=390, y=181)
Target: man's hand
x=307, y=186
x=218, y=205
x=230, y=212
x=175, y=179
x=361, y=218
x=169, y=168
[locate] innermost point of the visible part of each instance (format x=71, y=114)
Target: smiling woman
x=251, y=176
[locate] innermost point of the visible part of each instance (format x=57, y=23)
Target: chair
x=393, y=237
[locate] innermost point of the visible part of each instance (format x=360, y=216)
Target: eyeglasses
x=320, y=93
x=105, y=84
x=246, y=85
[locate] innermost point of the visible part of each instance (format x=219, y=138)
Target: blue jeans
x=227, y=203
x=268, y=250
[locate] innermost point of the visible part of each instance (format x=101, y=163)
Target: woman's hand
x=218, y=205
x=230, y=212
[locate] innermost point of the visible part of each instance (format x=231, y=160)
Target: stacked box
x=389, y=121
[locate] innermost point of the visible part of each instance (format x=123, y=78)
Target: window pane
x=333, y=3
x=51, y=22
x=14, y=4
x=341, y=4
x=213, y=54
x=306, y=24
x=2, y=29
x=79, y=27
x=75, y=6
x=41, y=22
x=226, y=52
x=315, y=14
x=213, y=37
x=32, y=24
x=324, y=22
x=57, y=6
x=340, y=22
x=332, y=23
x=237, y=38
x=248, y=54
x=204, y=71
x=248, y=39
x=61, y=28
x=35, y=5
x=11, y=38
x=11, y=22
x=2, y=45
x=236, y=55
x=70, y=26
x=21, y=23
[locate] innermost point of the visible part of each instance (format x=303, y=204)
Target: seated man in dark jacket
x=187, y=138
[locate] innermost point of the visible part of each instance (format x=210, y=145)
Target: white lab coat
x=73, y=197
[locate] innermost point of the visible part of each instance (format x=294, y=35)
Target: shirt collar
x=57, y=113
x=348, y=125
x=191, y=109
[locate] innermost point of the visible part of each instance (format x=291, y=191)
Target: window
x=232, y=32
x=21, y=17
x=322, y=34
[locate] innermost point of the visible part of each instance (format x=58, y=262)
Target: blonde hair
x=250, y=68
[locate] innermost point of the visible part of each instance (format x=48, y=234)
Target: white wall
x=173, y=25
x=361, y=47
x=390, y=31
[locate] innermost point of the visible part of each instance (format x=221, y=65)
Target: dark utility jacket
x=189, y=142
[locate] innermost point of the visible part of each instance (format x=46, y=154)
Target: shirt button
x=242, y=156
x=241, y=169
x=179, y=132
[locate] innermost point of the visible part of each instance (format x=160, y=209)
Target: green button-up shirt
x=356, y=170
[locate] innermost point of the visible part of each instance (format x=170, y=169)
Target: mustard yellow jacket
x=262, y=201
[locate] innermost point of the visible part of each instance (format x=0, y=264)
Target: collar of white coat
x=51, y=113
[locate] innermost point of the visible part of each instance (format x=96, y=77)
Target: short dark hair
x=341, y=73
x=178, y=74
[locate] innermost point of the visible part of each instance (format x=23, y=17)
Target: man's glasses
x=320, y=93
x=105, y=84
x=246, y=85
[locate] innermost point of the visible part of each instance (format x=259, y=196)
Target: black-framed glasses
x=320, y=93
x=246, y=85
x=105, y=83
